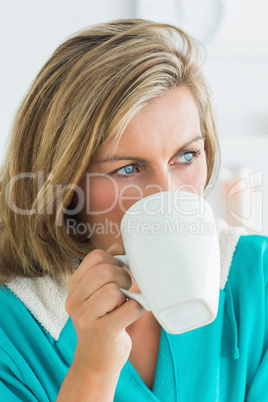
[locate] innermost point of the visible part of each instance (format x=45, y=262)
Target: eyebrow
x=120, y=158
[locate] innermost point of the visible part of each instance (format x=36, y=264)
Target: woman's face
x=161, y=149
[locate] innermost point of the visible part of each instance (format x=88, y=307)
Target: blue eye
x=189, y=156
x=127, y=170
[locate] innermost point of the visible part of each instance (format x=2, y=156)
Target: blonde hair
x=86, y=93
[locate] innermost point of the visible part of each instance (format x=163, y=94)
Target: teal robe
x=226, y=360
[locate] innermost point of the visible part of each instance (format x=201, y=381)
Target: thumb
x=116, y=248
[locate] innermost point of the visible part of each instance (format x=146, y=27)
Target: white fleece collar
x=45, y=299
x=228, y=239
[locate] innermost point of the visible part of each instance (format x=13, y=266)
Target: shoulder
x=31, y=365
x=248, y=276
x=42, y=299
x=242, y=255
x=17, y=325
x=11, y=307
x=24, y=316
x=16, y=320
x=250, y=258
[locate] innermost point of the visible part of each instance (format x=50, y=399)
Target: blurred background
x=235, y=34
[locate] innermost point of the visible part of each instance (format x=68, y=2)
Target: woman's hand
x=100, y=313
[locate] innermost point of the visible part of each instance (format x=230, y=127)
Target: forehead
x=170, y=118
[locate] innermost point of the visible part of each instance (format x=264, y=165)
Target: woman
x=120, y=111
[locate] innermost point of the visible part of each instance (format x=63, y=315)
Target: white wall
x=237, y=66
x=30, y=30
x=237, y=63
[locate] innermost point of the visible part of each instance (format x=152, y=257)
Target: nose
x=162, y=180
x=167, y=180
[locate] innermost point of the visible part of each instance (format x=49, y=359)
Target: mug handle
x=135, y=296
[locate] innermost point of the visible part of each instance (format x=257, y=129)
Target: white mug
x=172, y=251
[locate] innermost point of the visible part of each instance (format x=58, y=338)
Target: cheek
x=193, y=179
x=199, y=182
x=101, y=212
x=101, y=196
x=201, y=176
x=105, y=204
x=109, y=197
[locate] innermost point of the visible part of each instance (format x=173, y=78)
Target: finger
x=104, y=301
x=98, y=277
x=123, y=316
x=96, y=257
x=116, y=249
